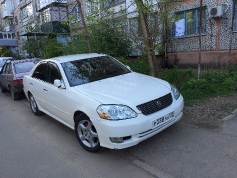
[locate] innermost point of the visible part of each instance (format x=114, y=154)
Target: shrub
x=139, y=65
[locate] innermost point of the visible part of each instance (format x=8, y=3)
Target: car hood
x=129, y=89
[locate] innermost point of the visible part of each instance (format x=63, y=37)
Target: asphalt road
x=32, y=146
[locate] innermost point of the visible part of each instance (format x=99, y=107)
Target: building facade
x=7, y=32
x=29, y=18
x=216, y=34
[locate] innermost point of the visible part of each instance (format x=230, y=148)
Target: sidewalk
x=187, y=151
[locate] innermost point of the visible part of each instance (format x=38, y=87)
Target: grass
x=211, y=82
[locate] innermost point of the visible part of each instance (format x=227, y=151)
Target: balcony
x=8, y=39
x=41, y=5
x=6, y=13
x=55, y=27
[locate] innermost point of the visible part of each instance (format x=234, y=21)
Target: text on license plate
x=165, y=118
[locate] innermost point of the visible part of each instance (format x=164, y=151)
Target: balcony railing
x=42, y=4
x=55, y=27
x=8, y=39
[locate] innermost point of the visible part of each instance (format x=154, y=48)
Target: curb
x=231, y=116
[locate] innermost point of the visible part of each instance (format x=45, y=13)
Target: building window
x=135, y=26
x=75, y=15
x=46, y=16
x=235, y=19
x=111, y=3
x=187, y=22
x=16, y=20
x=27, y=11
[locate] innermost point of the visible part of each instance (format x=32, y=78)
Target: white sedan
x=106, y=103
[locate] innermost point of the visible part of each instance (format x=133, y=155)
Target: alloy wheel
x=87, y=134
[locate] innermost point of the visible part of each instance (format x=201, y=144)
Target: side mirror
x=59, y=84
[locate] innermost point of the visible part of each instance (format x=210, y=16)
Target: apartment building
x=7, y=32
x=183, y=46
x=216, y=35
x=39, y=18
x=44, y=17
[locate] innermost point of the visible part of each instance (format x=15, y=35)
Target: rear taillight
x=17, y=82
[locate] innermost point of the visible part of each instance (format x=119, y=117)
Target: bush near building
x=211, y=82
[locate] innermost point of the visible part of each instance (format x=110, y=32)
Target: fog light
x=116, y=139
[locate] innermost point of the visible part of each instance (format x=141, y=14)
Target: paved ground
x=41, y=147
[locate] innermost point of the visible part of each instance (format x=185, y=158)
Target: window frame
x=195, y=30
x=55, y=66
x=112, y=3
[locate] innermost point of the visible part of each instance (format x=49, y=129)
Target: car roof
x=5, y=58
x=25, y=60
x=74, y=57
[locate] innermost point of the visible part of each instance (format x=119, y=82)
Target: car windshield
x=84, y=71
x=24, y=67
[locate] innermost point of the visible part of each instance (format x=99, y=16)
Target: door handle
x=45, y=89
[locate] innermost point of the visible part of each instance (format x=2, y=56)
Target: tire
x=3, y=90
x=33, y=106
x=15, y=96
x=86, y=134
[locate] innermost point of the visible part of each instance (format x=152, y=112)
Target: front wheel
x=86, y=134
x=33, y=106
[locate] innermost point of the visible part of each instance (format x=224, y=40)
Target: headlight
x=175, y=92
x=115, y=112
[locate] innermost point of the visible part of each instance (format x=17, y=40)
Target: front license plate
x=163, y=119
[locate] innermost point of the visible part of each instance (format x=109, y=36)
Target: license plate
x=163, y=119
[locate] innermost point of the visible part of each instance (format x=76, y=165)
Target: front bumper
x=137, y=129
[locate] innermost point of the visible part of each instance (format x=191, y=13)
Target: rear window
x=24, y=67
x=2, y=62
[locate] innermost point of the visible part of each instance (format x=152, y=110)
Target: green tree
x=43, y=47
x=6, y=52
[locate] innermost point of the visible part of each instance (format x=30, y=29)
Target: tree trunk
x=146, y=35
x=84, y=25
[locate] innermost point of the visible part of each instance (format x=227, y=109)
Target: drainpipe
x=200, y=40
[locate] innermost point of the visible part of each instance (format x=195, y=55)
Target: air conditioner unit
x=216, y=11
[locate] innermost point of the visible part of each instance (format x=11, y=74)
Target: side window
x=54, y=73
x=4, y=69
x=41, y=72
x=7, y=69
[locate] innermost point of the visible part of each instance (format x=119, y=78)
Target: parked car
x=3, y=60
x=11, y=75
x=106, y=103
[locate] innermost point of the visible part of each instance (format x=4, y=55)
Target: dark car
x=11, y=76
x=3, y=60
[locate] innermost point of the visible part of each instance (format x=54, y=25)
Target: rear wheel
x=15, y=96
x=86, y=134
x=33, y=106
x=4, y=90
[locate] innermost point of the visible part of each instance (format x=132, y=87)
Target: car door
x=37, y=84
x=2, y=76
x=56, y=98
x=6, y=75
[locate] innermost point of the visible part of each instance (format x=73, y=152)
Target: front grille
x=155, y=105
